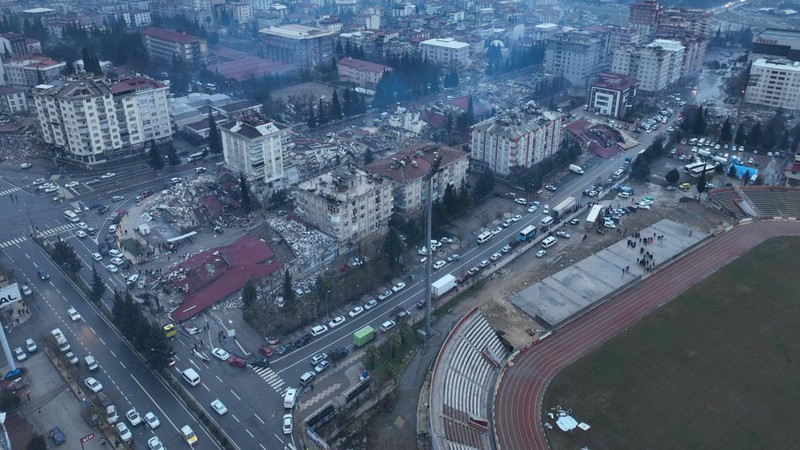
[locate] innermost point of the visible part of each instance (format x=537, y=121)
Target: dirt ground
x=520, y=329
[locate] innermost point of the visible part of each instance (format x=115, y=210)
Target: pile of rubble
x=310, y=246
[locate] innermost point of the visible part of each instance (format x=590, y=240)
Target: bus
x=71, y=216
x=708, y=169
x=689, y=167
x=527, y=234
x=197, y=156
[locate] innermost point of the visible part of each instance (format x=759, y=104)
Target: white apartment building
x=349, y=204
x=655, y=65
x=242, y=12
x=576, y=55
x=445, y=51
x=407, y=170
x=91, y=121
x=30, y=70
x=361, y=73
x=774, y=83
x=12, y=100
x=135, y=18
x=254, y=147
x=519, y=137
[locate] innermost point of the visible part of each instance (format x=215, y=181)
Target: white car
x=133, y=417
x=355, y=311
x=338, y=320
x=516, y=218
x=506, y=249
x=399, y=286
x=112, y=268
x=438, y=264
x=31, y=346
x=550, y=187
x=155, y=444
x=422, y=251
x=71, y=358
x=74, y=314
x=97, y=256
x=117, y=261
x=83, y=225
x=93, y=385
x=446, y=240
x=115, y=253
x=388, y=325
x=287, y=424
x=81, y=234
x=318, y=330
x=483, y=264
x=496, y=231
x=541, y=253
x=39, y=181
x=20, y=354
x=124, y=432
x=108, y=175
x=219, y=407
x=26, y=290
x=643, y=205
x=220, y=354
x=532, y=208
x=25, y=166
x=117, y=198
x=371, y=304
x=319, y=368
x=562, y=233
x=520, y=201
x=112, y=228
x=624, y=194
x=495, y=256
x=384, y=295
x=609, y=224
x=71, y=184
x=318, y=358
x=151, y=420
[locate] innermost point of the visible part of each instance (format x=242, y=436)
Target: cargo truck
x=576, y=169
x=593, y=216
x=563, y=208
x=443, y=285
x=364, y=335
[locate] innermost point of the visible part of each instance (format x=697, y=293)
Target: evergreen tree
x=392, y=246
x=322, y=118
x=214, y=135
x=741, y=137
x=336, y=107
x=701, y=183
x=673, y=176
x=732, y=171
x=172, y=155
x=754, y=136
x=98, y=286
x=369, y=156
x=39, y=76
x=245, y=193
x=155, y=160
x=289, y=296
x=700, y=123
x=249, y=294
x=726, y=134
x=470, y=112
x=65, y=256
x=311, y=119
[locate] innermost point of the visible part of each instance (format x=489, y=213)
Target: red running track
x=517, y=405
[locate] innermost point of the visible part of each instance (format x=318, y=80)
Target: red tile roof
x=366, y=66
x=169, y=35
x=231, y=281
x=133, y=84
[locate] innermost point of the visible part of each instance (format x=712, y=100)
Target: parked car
x=220, y=354
x=31, y=346
x=133, y=417
x=151, y=420
x=93, y=385
x=338, y=320
x=371, y=304
x=399, y=286
x=57, y=436
x=355, y=311
x=541, y=253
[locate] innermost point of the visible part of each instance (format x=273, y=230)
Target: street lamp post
x=437, y=160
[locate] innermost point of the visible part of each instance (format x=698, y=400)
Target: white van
x=485, y=236
x=191, y=377
x=547, y=221
x=289, y=398
x=549, y=241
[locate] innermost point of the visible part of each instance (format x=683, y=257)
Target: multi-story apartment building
x=304, y=46
x=674, y=22
x=30, y=70
x=407, y=170
x=91, y=121
x=644, y=16
x=349, y=204
x=543, y=31
x=361, y=73
x=774, y=83
x=166, y=45
x=134, y=18
x=12, y=100
x=612, y=94
x=241, y=12
x=519, y=137
x=12, y=44
x=655, y=65
x=773, y=43
x=142, y=107
x=253, y=146
x=576, y=55
x=445, y=51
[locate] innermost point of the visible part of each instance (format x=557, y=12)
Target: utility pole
x=437, y=160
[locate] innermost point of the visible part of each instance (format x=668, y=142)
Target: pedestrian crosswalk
x=16, y=241
x=271, y=378
x=45, y=233
x=59, y=229
x=10, y=191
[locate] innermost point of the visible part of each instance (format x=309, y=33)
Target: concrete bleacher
x=728, y=199
x=764, y=201
x=462, y=383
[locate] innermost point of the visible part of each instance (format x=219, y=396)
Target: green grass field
x=716, y=368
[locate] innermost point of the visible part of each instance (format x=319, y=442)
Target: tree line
x=144, y=335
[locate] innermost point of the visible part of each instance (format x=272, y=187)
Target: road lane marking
x=90, y=327
x=248, y=432
x=265, y=448
x=204, y=385
x=278, y=438
x=193, y=363
x=163, y=414
x=235, y=418
x=220, y=379
x=112, y=352
x=259, y=419
x=101, y=340
x=123, y=365
x=237, y=397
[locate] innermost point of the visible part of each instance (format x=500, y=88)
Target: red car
x=265, y=350
x=235, y=361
